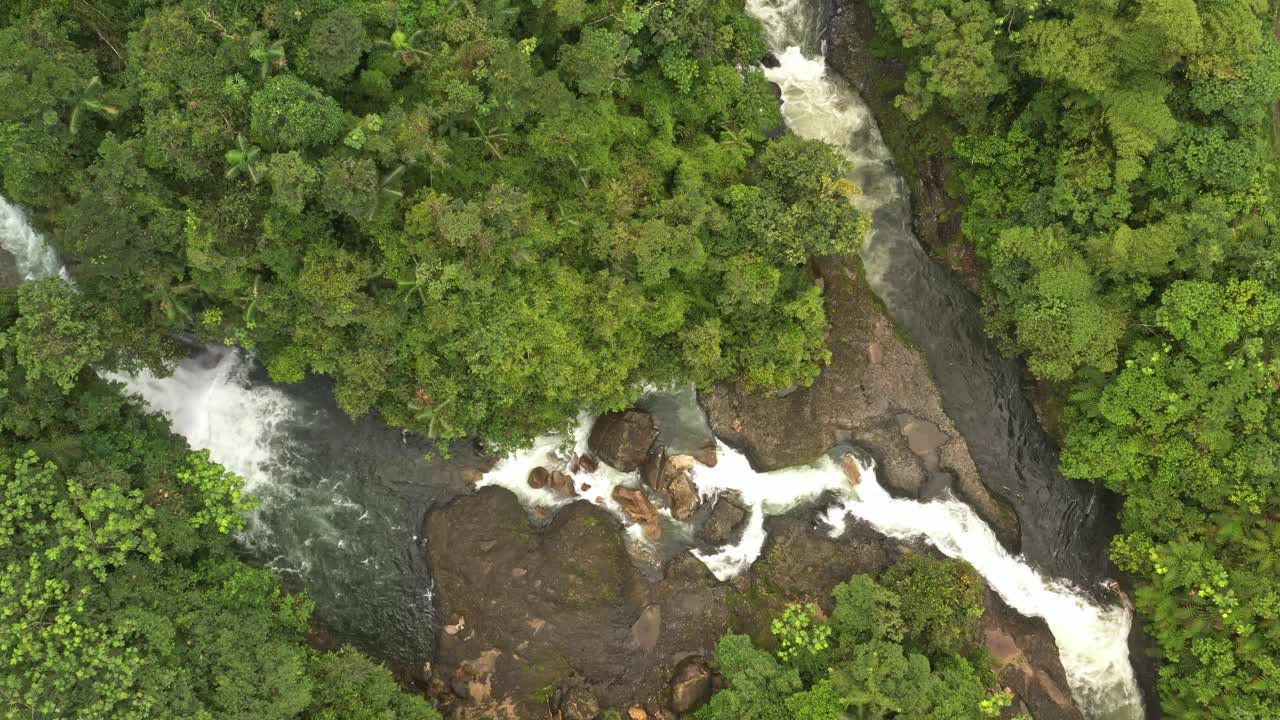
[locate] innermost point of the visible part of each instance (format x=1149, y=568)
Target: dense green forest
x=901, y=645
x=1119, y=170
x=478, y=217
x=121, y=595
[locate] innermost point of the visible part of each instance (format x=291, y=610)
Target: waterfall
x=339, y=501
x=36, y=260
x=1092, y=640
x=1061, y=527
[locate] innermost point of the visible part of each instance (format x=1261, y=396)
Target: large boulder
x=542, y=604
x=623, y=439
x=690, y=685
x=672, y=478
x=725, y=520
x=636, y=504
x=683, y=496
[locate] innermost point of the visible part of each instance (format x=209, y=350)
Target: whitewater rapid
x=215, y=405
x=1092, y=640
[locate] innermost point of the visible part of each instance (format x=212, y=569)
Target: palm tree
x=386, y=191
x=736, y=139
x=242, y=160
x=490, y=139
x=403, y=46
x=426, y=410
x=169, y=302
x=269, y=55
x=88, y=100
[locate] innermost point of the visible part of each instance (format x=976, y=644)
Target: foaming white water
x=1092, y=640
x=36, y=260
x=209, y=401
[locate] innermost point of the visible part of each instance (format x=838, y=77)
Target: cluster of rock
x=558, y=621
x=628, y=441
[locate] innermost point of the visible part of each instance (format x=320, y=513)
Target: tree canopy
x=120, y=589
x=1118, y=165
x=888, y=650
x=477, y=216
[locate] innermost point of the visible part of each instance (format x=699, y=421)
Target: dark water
x=1066, y=524
x=341, y=500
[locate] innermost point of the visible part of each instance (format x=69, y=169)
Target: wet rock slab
x=559, y=618
x=539, y=605
x=877, y=393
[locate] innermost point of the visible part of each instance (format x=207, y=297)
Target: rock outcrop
x=725, y=521
x=622, y=440
x=545, y=604
x=522, y=609
x=1026, y=658
x=876, y=394
x=690, y=685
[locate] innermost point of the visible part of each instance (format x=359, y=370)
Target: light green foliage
x=121, y=595
x=476, y=217
x=289, y=113
x=56, y=334
x=802, y=641
x=870, y=661
x=1122, y=190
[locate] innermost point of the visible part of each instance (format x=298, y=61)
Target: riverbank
x=857, y=53
x=558, y=617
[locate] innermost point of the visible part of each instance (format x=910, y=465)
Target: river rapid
x=341, y=500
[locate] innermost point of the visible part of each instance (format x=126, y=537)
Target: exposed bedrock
x=877, y=393
x=560, y=618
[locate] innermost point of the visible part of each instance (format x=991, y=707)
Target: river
x=341, y=501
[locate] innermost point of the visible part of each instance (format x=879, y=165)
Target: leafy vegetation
x=873, y=658
x=1119, y=166
x=477, y=216
x=120, y=592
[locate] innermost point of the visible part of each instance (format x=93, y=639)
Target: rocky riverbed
x=877, y=393
x=557, y=619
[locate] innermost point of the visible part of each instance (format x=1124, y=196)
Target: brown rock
x=690, y=685
x=622, y=440
x=562, y=483
x=654, y=464
x=636, y=504
x=851, y=468
x=472, y=475
x=653, y=532
x=684, y=497
x=706, y=455
x=635, y=712
x=586, y=487
x=539, y=477
x=588, y=463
